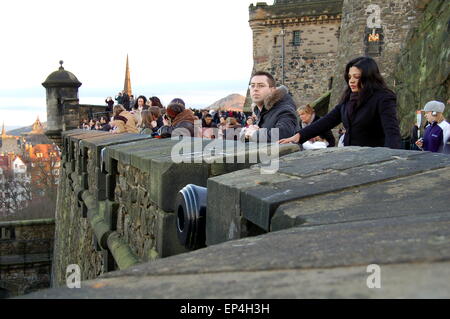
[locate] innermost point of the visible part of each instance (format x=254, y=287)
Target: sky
x=198, y=50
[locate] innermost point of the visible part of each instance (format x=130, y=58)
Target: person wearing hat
x=437, y=133
x=179, y=120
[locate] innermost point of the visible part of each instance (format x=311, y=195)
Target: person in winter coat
x=437, y=134
x=368, y=110
x=274, y=108
x=109, y=101
x=181, y=120
x=124, y=121
x=119, y=98
x=104, y=122
x=126, y=101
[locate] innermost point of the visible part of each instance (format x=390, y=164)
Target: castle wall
x=116, y=198
x=423, y=70
x=396, y=18
x=26, y=249
x=311, y=31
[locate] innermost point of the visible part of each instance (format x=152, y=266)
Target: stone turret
x=62, y=88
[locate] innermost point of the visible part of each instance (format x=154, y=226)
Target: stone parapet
x=300, y=193
x=116, y=199
x=337, y=219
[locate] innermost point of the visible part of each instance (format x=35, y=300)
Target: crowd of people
x=149, y=116
x=367, y=113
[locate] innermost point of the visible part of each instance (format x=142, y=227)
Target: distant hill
x=232, y=101
x=25, y=129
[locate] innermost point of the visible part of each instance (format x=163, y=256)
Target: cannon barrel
x=191, y=216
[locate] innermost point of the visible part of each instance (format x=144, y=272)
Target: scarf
x=352, y=104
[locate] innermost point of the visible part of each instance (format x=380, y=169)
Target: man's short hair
x=270, y=78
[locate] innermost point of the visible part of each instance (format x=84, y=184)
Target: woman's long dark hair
x=136, y=102
x=370, y=81
x=156, y=102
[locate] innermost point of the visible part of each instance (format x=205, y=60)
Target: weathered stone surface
x=97, y=143
x=398, y=281
x=251, y=195
x=168, y=177
x=25, y=257
x=327, y=261
x=259, y=203
x=383, y=241
x=309, y=45
x=421, y=194
x=422, y=73
x=134, y=181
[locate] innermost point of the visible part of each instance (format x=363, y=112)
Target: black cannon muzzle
x=191, y=216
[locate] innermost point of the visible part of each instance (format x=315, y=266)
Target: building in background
x=297, y=42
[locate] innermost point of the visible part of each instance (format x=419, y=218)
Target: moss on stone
x=423, y=70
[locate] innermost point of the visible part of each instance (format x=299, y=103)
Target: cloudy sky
x=199, y=50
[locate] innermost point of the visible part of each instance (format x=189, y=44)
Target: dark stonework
x=25, y=256
x=117, y=194
x=422, y=73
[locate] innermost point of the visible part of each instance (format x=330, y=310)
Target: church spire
x=3, y=130
x=127, y=85
x=37, y=127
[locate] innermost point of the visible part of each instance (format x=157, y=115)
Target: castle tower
x=376, y=28
x=297, y=42
x=61, y=87
x=127, y=84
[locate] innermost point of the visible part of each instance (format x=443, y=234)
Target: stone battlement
x=301, y=232
x=116, y=198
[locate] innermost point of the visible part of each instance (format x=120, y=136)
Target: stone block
x=167, y=243
x=403, y=240
x=412, y=195
x=308, y=177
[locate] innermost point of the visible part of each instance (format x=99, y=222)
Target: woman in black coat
x=368, y=110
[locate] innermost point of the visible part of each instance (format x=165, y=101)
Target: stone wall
x=423, y=71
x=309, y=63
x=329, y=186
x=26, y=249
x=397, y=18
x=351, y=222
x=116, y=198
